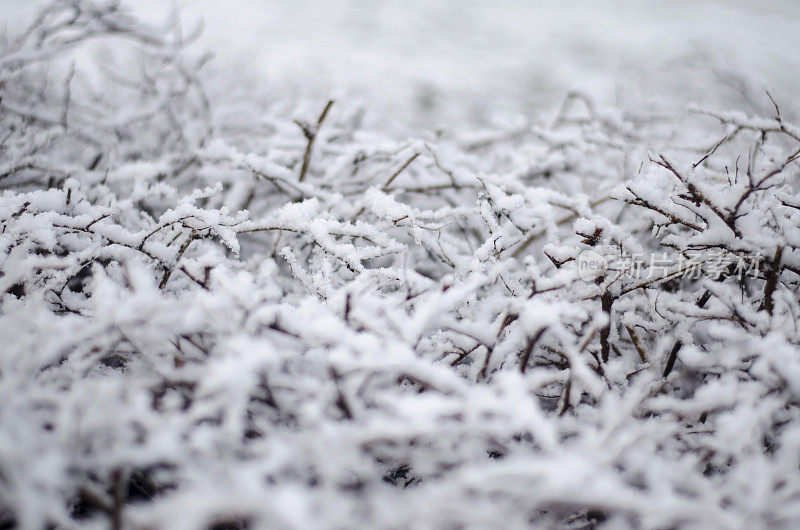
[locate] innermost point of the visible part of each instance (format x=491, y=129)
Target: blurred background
x=428, y=63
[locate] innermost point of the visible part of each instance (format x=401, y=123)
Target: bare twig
x=310, y=132
x=673, y=355
x=399, y=170
x=772, y=281
x=526, y=354
x=636, y=343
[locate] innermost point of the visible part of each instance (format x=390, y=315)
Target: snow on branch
x=547, y=325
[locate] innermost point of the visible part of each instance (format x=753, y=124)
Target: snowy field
x=443, y=63
x=399, y=265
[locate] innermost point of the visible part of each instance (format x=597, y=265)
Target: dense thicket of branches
x=219, y=317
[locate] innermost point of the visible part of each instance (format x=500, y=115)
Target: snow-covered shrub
x=212, y=320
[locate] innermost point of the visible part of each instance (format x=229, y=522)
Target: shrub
x=315, y=325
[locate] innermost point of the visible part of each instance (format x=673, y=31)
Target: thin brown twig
x=311, y=134
x=526, y=355
x=399, y=170
x=636, y=344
